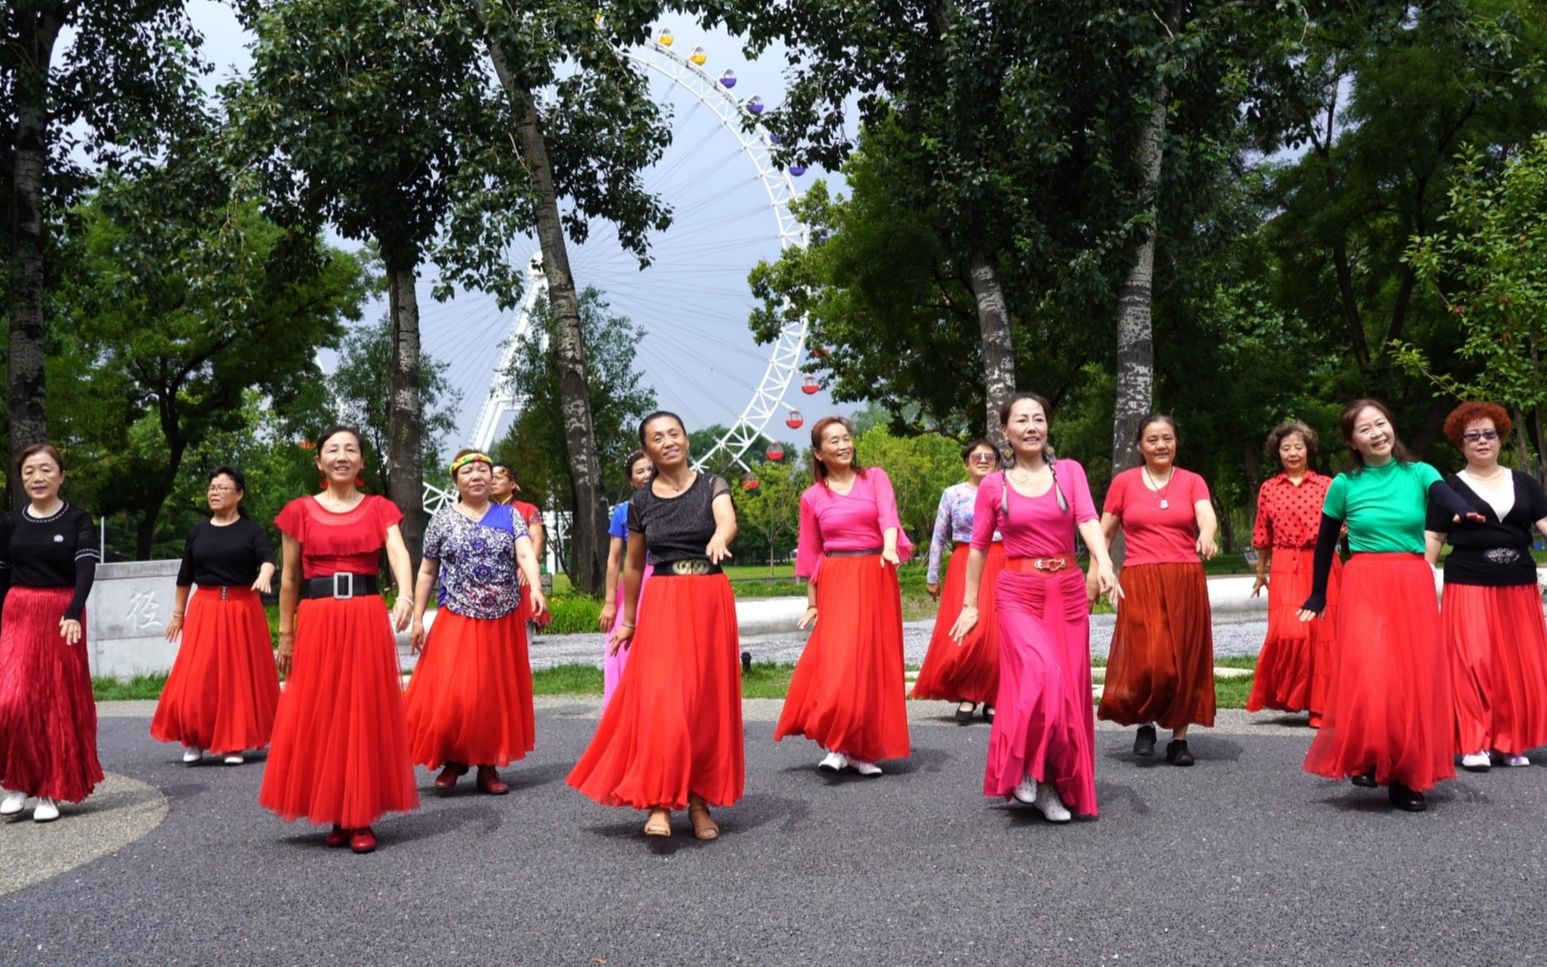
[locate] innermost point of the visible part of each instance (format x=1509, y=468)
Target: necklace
x=1159, y=489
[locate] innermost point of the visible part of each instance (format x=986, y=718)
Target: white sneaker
x=192, y=755
x=1516, y=761
x=13, y=803
x=235, y=759
x=1476, y=762
x=46, y=812
x=1026, y=792
x=1049, y=805
x=867, y=769
x=832, y=762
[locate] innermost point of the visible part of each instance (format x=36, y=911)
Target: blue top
x=618, y=527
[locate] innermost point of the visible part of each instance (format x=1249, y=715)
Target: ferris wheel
x=731, y=208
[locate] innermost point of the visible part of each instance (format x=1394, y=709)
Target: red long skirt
x=1497, y=639
x=968, y=672
x=847, y=690
x=48, y=719
x=673, y=727
x=223, y=688
x=1161, y=667
x=470, y=697
x=1390, y=708
x=340, y=749
x=1044, y=724
x=1294, y=668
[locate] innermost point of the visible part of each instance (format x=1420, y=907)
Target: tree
x=919, y=467
x=770, y=514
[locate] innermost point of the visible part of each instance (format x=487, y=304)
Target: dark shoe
x=363, y=841
x=964, y=715
x=1177, y=754
x=746, y=662
x=1404, y=798
x=1364, y=780
x=447, y=780
x=489, y=782
x=988, y=713
x=1144, y=742
x=337, y=836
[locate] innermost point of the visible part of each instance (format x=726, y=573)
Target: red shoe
x=337, y=836
x=447, y=780
x=489, y=782
x=1315, y=720
x=363, y=840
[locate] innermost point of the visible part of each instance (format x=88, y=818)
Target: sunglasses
x=1477, y=436
x=983, y=457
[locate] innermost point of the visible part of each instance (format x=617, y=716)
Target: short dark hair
x=1276, y=437
x=29, y=452
x=237, y=479
x=1149, y=418
x=981, y=443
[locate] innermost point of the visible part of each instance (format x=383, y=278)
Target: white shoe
x=833, y=762
x=1049, y=805
x=192, y=755
x=235, y=759
x=1476, y=762
x=867, y=769
x=1026, y=792
x=1516, y=761
x=13, y=803
x=46, y=812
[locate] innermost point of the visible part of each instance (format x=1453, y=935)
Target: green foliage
x=768, y=518
x=920, y=468
x=573, y=614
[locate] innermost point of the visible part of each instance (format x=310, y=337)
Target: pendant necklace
x=1159, y=490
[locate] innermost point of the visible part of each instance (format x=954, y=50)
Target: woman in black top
x=224, y=688
x=671, y=736
x=48, y=719
x=1491, y=608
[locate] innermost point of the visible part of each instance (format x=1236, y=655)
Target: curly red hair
x=1472, y=411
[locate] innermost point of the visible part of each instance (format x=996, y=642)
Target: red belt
x=1045, y=566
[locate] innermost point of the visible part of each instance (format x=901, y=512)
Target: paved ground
x=1242, y=859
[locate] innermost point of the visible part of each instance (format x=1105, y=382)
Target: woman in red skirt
x=48, y=719
x=1161, y=669
x=470, y=698
x=1294, y=668
x=340, y=749
x=671, y=736
x=1492, y=608
x=1389, y=719
x=847, y=690
x=223, y=689
x=968, y=672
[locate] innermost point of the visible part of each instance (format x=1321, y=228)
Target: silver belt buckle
x=349, y=585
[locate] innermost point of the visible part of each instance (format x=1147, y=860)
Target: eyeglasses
x=1477, y=436
x=983, y=457
x=221, y=489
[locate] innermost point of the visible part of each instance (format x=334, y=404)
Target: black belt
x=341, y=585
x=864, y=552
x=685, y=567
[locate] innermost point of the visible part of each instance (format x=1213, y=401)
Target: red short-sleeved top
x=530, y=514
x=332, y=542
x=1156, y=534
x=1289, y=514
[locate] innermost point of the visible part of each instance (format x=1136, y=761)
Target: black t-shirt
x=228, y=554
x=677, y=527
x=1494, y=553
x=59, y=551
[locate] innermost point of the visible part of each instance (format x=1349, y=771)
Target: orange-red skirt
x=1497, y=640
x=968, y=672
x=673, y=727
x=223, y=688
x=470, y=697
x=1390, y=708
x=1294, y=668
x=339, y=753
x=847, y=690
x=1161, y=667
x=48, y=719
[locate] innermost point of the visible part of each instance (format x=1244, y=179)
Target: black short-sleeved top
x=677, y=527
x=224, y=554
x=50, y=552
x=1494, y=553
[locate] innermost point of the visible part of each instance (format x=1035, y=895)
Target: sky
x=692, y=302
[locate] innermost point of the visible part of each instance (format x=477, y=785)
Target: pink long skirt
x=612, y=664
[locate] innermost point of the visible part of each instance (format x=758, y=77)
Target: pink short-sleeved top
x=332, y=543
x=1033, y=526
x=853, y=521
x=1156, y=534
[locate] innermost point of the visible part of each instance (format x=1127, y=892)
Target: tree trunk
x=29, y=423
x=568, y=346
x=994, y=334
x=405, y=427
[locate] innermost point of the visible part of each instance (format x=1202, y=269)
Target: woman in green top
x=1389, y=717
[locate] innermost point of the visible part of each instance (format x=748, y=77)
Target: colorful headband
x=468, y=458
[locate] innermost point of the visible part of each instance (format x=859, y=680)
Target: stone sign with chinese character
x=126, y=618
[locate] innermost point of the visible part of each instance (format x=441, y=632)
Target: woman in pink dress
x=847, y=691
x=614, y=652
x=1041, y=750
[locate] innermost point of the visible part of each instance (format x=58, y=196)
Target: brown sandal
x=704, y=826
x=659, y=823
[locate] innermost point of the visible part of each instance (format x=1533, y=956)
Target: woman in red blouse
x=1294, y=669
x=503, y=491
x=340, y=749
